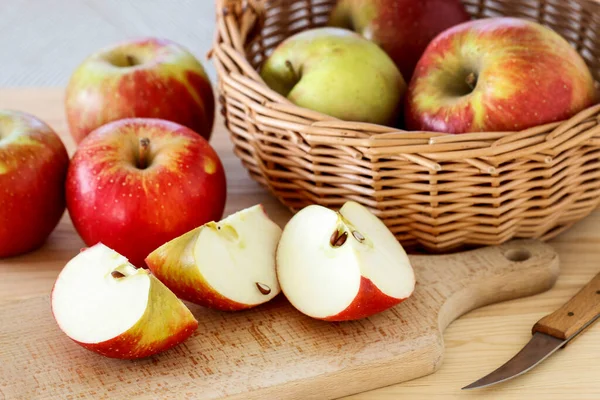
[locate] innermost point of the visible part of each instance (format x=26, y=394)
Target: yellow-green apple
x=339, y=73
x=403, y=28
x=148, y=78
x=33, y=169
x=339, y=266
x=227, y=265
x=137, y=183
x=497, y=74
x=108, y=306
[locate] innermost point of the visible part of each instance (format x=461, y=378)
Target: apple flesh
x=135, y=184
x=227, y=265
x=143, y=78
x=497, y=74
x=339, y=266
x=403, y=28
x=33, y=169
x=338, y=73
x=108, y=306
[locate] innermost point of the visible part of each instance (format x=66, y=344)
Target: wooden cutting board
x=274, y=352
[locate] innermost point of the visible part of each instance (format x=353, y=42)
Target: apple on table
x=403, y=28
x=497, y=74
x=135, y=184
x=108, y=306
x=338, y=73
x=33, y=169
x=340, y=266
x=144, y=78
x=227, y=265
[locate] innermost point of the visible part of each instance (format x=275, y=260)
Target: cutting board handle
x=472, y=279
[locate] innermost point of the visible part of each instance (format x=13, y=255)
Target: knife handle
x=578, y=312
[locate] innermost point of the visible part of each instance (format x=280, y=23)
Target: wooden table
x=476, y=343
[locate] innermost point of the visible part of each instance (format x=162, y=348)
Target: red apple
x=106, y=305
x=403, y=28
x=340, y=266
x=149, y=78
x=497, y=74
x=135, y=184
x=33, y=168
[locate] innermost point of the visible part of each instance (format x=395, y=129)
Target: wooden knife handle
x=574, y=315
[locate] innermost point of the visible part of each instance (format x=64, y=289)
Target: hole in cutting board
x=518, y=255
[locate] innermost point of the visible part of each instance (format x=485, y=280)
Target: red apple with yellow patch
x=33, y=169
x=148, y=78
x=402, y=28
x=497, y=74
x=138, y=183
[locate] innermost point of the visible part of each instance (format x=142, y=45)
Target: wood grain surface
x=475, y=344
x=274, y=352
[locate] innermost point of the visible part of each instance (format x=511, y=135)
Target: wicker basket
x=437, y=191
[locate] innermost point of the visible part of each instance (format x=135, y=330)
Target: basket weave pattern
x=433, y=190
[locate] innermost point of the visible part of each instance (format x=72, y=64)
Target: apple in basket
x=339, y=73
x=403, y=28
x=227, y=265
x=108, y=306
x=497, y=74
x=345, y=265
x=149, y=77
x=137, y=183
x=33, y=169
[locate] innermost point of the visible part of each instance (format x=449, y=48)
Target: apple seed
x=264, y=289
x=117, y=275
x=358, y=236
x=338, y=238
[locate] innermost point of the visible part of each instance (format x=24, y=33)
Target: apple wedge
x=106, y=305
x=340, y=266
x=227, y=265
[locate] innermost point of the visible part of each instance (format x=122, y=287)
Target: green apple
x=339, y=73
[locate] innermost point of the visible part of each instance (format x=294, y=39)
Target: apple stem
x=131, y=60
x=143, y=153
x=471, y=80
x=289, y=65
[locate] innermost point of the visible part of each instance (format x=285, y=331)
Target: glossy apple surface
x=33, y=169
x=403, y=28
x=497, y=74
x=143, y=78
x=135, y=184
x=338, y=73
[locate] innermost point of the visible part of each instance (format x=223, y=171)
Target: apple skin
x=134, y=210
x=33, y=169
x=167, y=264
x=338, y=73
x=167, y=82
x=369, y=301
x=403, y=28
x=524, y=75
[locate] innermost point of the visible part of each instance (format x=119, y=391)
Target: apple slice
x=106, y=305
x=339, y=266
x=227, y=265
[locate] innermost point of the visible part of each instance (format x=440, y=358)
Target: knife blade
x=550, y=334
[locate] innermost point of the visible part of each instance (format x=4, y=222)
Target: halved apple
x=227, y=265
x=339, y=266
x=106, y=305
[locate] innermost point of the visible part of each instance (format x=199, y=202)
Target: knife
x=550, y=334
